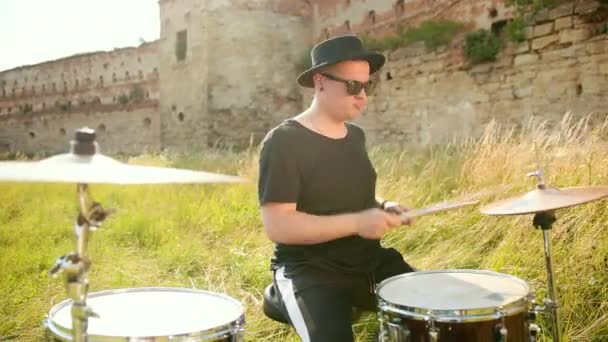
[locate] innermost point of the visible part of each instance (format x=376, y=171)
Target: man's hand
x=374, y=223
x=396, y=208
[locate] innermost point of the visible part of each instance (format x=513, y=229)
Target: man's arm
x=284, y=224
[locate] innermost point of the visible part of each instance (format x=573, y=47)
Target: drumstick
x=461, y=201
x=435, y=208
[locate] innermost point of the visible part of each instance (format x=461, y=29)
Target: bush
x=433, y=33
x=482, y=46
x=123, y=99
x=135, y=95
x=516, y=30
x=534, y=5
x=382, y=44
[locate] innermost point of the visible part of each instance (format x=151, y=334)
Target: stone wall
x=252, y=69
x=430, y=97
x=183, y=81
x=129, y=129
x=92, y=78
x=223, y=72
x=381, y=17
x=40, y=105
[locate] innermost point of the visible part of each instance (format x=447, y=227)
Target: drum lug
x=395, y=331
x=238, y=333
x=433, y=331
x=501, y=334
x=501, y=329
x=534, y=330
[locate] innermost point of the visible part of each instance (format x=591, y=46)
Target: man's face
x=335, y=97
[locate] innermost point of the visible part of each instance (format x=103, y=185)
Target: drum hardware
x=454, y=305
x=533, y=328
x=155, y=314
x=76, y=265
x=433, y=330
x=84, y=165
x=501, y=329
x=397, y=331
x=542, y=202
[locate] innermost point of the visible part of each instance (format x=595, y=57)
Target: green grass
x=433, y=33
x=210, y=236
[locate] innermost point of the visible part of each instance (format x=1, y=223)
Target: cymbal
x=545, y=199
x=100, y=169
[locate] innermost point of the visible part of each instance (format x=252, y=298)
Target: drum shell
x=233, y=331
x=453, y=324
x=476, y=331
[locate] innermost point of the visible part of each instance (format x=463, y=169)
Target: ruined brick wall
x=382, y=17
x=132, y=129
x=63, y=93
x=252, y=69
x=183, y=74
x=93, y=78
x=431, y=97
x=224, y=72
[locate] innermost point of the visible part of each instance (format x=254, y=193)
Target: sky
x=34, y=31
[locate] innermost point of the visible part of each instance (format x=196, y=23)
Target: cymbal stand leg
x=76, y=265
x=544, y=221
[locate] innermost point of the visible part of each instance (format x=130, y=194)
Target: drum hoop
x=455, y=316
x=65, y=334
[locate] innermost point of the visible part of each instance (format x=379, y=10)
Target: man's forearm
x=297, y=228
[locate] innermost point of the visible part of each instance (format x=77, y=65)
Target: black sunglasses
x=353, y=87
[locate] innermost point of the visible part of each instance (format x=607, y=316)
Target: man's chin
x=354, y=115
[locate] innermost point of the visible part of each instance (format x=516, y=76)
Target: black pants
x=319, y=302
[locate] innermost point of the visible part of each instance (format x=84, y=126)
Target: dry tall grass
x=210, y=237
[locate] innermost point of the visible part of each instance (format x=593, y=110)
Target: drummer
x=317, y=196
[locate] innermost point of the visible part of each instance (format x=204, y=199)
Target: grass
x=433, y=33
x=210, y=236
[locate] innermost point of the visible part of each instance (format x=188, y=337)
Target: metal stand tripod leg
x=544, y=221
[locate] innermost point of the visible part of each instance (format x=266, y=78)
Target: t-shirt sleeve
x=279, y=179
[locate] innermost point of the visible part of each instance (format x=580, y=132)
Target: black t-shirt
x=323, y=176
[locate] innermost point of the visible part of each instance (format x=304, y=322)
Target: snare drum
x=154, y=314
x=454, y=305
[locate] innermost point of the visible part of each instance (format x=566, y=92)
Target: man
x=317, y=197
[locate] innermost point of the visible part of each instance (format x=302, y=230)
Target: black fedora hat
x=336, y=50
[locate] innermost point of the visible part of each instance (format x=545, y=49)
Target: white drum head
x=448, y=290
x=151, y=312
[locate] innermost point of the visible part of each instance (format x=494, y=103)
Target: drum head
x=151, y=312
x=449, y=290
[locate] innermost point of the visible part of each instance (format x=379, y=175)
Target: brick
x=593, y=84
x=541, y=16
x=563, y=23
x=525, y=59
x=543, y=42
x=481, y=68
x=522, y=47
x=596, y=47
x=603, y=68
x=521, y=92
x=586, y=7
x=543, y=30
x=561, y=11
x=573, y=35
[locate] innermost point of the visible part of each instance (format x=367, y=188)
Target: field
x=211, y=237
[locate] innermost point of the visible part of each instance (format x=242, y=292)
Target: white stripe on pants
x=291, y=304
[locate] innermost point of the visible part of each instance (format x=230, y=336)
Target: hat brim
x=375, y=60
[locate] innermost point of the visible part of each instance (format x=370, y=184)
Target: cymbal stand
x=544, y=221
x=76, y=265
